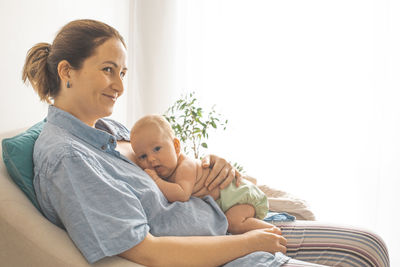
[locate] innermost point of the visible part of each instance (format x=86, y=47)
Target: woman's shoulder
x=53, y=144
x=50, y=136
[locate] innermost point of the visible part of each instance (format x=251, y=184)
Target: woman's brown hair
x=74, y=43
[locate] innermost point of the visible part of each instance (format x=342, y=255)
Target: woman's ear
x=63, y=70
x=177, y=146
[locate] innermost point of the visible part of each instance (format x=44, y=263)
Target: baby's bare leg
x=241, y=219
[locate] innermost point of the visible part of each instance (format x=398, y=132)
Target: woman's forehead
x=111, y=51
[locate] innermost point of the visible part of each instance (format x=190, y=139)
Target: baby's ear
x=177, y=146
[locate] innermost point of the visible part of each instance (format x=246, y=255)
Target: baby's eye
x=157, y=148
x=143, y=157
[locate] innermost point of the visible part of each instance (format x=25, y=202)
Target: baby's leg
x=241, y=219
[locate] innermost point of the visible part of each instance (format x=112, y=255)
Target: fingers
x=228, y=180
x=205, y=162
x=149, y=171
x=272, y=242
x=218, y=177
x=223, y=179
x=282, y=244
x=152, y=174
x=282, y=249
x=217, y=165
x=238, y=177
x=274, y=230
x=282, y=241
x=279, y=243
x=221, y=174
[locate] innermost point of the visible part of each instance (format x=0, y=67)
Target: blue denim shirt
x=105, y=202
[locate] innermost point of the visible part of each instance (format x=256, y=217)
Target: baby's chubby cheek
x=143, y=166
x=140, y=163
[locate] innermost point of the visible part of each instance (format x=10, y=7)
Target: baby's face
x=155, y=150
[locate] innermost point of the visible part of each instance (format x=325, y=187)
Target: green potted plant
x=192, y=124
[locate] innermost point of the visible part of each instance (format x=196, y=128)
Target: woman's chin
x=108, y=112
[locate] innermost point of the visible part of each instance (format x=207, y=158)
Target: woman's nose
x=118, y=85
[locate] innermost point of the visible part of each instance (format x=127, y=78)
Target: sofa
x=27, y=238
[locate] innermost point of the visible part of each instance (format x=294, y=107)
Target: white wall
x=24, y=23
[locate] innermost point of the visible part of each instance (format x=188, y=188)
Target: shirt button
x=111, y=140
x=103, y=147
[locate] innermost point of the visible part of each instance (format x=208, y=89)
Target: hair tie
x=46, y=51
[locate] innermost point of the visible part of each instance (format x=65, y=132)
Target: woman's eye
x=107, y=69
x=122, y=74
x=157, y=148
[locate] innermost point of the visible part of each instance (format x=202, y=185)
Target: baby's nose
x=154, y=163
x=152, y=160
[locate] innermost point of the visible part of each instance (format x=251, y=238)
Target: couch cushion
x=17, y=156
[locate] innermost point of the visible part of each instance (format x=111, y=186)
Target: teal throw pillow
x=18, y=158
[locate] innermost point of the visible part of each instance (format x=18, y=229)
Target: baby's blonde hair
x=154, y=120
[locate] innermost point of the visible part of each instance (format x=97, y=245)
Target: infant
x=179, y=177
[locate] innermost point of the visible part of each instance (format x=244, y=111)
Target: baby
x=158, y=153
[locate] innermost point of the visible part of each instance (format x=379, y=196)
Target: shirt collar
x=102, y=139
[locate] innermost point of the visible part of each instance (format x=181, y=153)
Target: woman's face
x=98, y=84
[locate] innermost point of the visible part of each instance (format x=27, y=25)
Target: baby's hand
x=152, y=174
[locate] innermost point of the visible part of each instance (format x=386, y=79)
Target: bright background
x=310, y=88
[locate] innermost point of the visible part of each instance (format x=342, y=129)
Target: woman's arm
x=222, y=173
x=203, y=250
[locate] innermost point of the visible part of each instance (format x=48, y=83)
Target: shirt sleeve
x=101, y=215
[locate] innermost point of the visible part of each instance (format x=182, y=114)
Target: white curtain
x=154, y=56
x=310, y=88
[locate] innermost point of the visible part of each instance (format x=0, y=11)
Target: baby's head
x=155, y=145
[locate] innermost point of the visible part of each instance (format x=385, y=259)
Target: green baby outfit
x=245, y=193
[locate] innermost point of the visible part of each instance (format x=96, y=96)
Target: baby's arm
x=182, y=188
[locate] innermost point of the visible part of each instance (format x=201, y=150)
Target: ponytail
x=36, y=70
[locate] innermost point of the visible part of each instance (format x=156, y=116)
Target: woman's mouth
x=112, y=97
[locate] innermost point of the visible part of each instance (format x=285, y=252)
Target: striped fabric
x=296, y=263
x=332, y=245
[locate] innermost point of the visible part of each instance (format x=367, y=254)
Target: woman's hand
x=268, y=239
x=222, y=173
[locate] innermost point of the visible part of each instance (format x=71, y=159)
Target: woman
x=86, y=180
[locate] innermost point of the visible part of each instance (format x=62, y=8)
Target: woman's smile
x=113, y=97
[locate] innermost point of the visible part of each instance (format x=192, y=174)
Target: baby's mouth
x=159, y=171
x=157, y=168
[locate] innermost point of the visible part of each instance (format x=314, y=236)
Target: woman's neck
x=74, y=112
